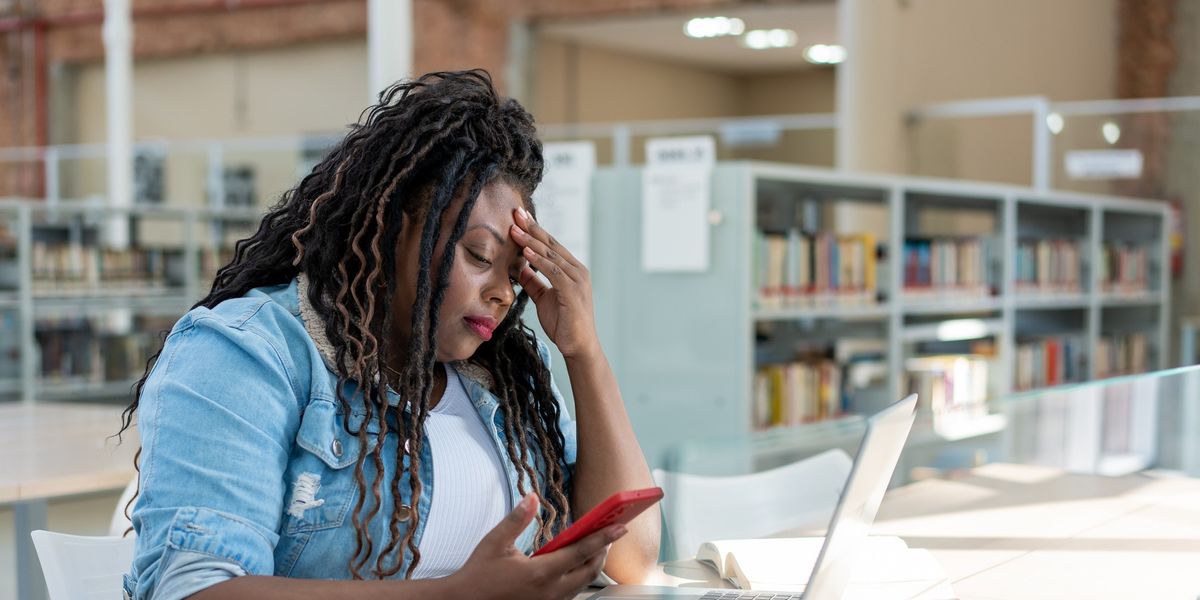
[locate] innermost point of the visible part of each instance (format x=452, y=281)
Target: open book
x=785, y=564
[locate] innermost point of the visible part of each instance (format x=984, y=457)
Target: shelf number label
x=692, y=151
x=565, y=156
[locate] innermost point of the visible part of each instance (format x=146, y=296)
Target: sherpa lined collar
x=315, y=328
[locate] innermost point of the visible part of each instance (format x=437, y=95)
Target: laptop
x=877, y=456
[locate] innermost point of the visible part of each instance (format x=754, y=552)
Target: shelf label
x=1104, y=164
x=692, y=151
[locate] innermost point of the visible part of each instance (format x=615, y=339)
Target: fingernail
x=616, y=533
x=525, y=213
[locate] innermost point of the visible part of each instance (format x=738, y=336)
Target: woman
x=363, y=350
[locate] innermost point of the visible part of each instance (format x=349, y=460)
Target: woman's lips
x=483, y=327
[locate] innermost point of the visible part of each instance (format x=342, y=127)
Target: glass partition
x=1109, y=427
x=1085, y=442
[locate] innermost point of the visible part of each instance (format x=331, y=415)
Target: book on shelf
x=1124, y=268
x=796, y=268
x=1048, y=266
x=1122, y=354
x=947, y=266
x=797, y=392
x=950, y=385
x=786, y=563
x=1049, y=361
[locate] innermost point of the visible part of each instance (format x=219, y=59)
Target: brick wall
x=449, y=34
x=70, y=32
x=1145, y=63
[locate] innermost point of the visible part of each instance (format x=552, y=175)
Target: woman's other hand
x=497, y=570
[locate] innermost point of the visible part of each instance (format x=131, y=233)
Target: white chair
x=120, y=523
x=699, y=509
x=83, y=567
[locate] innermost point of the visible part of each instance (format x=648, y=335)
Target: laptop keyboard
x=749, y=596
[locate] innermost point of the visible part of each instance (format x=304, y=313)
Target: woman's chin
x=460, y=350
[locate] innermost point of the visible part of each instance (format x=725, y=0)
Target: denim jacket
x=246, y=467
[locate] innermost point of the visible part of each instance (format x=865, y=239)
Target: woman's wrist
x=586, y=352
x=443, y=587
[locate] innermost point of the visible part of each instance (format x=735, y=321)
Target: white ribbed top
x=470, y=487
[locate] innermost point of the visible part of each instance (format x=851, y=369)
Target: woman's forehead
x=495, y=204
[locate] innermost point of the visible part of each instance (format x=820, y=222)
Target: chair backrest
x=83, y=567
x=699, y=509
x=120, y=523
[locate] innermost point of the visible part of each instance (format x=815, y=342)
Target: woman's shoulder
x=265, y=316
x=266, y=309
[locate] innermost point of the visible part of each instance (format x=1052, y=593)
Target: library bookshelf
x=995, y=288
x=80, y=315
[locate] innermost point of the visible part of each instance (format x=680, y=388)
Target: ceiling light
x=763, y=39
x=1054, y=122
x=710, y=27
x=1111, y=132
x=825, y=54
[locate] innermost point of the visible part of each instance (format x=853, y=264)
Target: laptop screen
x=877, y=456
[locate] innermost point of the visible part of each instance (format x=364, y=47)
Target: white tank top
x=470, y=485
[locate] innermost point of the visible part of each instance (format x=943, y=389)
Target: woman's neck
x=439, y=382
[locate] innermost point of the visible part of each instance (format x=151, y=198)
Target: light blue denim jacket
x=239, y=406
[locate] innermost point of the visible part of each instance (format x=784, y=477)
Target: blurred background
x=966, y=198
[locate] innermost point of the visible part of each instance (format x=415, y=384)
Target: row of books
x=793, y=266
x=951, y=385
x=1049, y=361
x=1122, y=354
x=1124, y=267
x=958, y=265
x=1048, y=266
x=797, y=392
x=79, y=266
x=78, y=350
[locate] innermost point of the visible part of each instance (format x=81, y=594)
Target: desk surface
x=54, y=449
x=1026, y=532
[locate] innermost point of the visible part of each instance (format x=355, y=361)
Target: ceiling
x=661, y=36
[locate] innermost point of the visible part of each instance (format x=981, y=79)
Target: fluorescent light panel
x=711, y=27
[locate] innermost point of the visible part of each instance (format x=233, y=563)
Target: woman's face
x=482, y=281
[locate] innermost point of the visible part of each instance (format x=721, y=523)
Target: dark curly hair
x=426, y=143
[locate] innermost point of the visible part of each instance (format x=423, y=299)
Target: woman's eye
x=479, y=258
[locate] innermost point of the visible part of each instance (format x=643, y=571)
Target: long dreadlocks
x=425, y=144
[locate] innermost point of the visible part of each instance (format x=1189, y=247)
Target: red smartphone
x=620, y=507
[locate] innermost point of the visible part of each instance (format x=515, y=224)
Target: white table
x=1026, y=532
x=54, y=450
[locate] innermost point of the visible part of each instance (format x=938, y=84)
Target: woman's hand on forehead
x=565, y=306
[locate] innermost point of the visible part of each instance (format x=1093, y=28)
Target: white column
x=870, y=104
x=389, y=44
x=847, y=87
x=118, y=71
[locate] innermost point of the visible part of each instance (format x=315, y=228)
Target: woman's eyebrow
x=496, y=234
